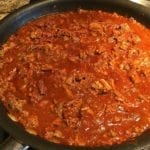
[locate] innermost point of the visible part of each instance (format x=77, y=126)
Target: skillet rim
x=16, y=130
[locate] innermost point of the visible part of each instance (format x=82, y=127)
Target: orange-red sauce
x=79, y=78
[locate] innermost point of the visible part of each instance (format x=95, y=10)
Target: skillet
x=14, y=21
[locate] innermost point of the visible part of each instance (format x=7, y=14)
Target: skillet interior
x=11, y=23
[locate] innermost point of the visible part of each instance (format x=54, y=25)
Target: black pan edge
x=14, y=21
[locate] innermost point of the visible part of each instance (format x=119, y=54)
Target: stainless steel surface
x=12, y=144
x=142, y=2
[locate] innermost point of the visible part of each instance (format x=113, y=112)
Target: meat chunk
x=42, y=87
x=136, y=39
x=102, y=86
x=71, y=113
x=35, y=34
x=87, y=110
x=12, y=74
x=125, y=27
x=15, y=104
x=46, y=67
x=54, y=136
x=134, y=77
x=95, y=26
x=79, y=80
x=33, y=122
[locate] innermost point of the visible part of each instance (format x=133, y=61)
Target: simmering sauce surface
x=78, y=78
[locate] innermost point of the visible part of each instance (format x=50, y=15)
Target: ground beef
x=78, y=78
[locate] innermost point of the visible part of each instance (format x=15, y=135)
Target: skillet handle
x=12, y=144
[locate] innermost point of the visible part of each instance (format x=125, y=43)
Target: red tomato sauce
x=78, y=78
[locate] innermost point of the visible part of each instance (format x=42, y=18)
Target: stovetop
x=4, y=136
